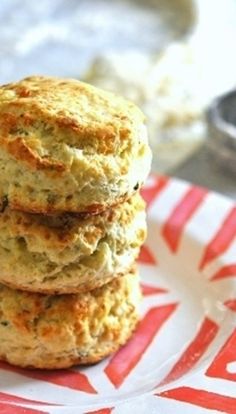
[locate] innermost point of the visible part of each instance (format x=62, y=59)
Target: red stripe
x=202, y=398
x=151, y=191
x=220, y=365
x=222, y=240
x=14, y=399
x=194, y=351
x=146, y=257
x=231, y=304
x=226, y=271
x=65, y=378
x=102, y=411
x=152, y=290
x=174, y=227
x=128, y=357
x=14, y=409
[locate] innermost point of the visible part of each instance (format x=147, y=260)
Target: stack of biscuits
x=72, y=221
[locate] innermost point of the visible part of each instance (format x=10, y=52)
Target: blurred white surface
x=65, y=37
x=166, y=87
x=61, y=37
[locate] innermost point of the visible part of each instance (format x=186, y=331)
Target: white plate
x=182, y=358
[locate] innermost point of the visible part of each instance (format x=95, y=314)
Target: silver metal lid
x=221, y=118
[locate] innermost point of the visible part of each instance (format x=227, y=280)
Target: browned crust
x=29, y=307
x=86, y=287
x=65, y=363
x=19, y=149
x=92, y=209
x=55, y=102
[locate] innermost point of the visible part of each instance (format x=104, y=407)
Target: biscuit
x=66, y=146
x=51, y=332
x=66, y=254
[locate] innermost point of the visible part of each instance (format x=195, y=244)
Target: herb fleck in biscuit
x=66, y=146
x=60, y=331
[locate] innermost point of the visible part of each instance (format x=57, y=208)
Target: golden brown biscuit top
x=45, y=111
